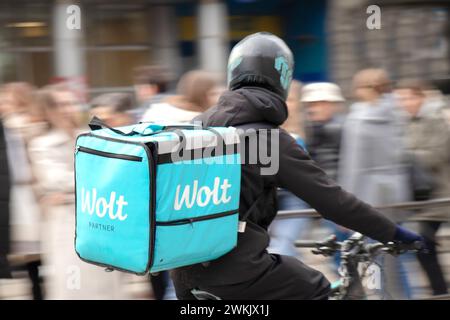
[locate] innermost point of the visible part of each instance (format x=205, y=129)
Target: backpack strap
x=244, y=217
x=262, y=196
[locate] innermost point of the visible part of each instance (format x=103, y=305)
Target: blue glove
x=406, y=236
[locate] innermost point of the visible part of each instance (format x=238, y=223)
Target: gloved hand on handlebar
x=406, y=236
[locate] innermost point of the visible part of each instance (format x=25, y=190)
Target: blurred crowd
x=388, y=143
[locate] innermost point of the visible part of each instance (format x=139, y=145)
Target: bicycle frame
x=349, y=286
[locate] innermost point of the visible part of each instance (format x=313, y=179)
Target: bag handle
x=149, y=128
x=97, y=124
x=154, y=128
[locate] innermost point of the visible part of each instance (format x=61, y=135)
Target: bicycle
x=357, y=257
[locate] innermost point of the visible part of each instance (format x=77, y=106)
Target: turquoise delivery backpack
x=155, y=197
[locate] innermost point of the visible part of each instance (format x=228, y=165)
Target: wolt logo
x=203, y=195
x=101, y=206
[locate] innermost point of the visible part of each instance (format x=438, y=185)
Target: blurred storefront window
x=118, y=39
x=114, y=68
x=25, y=41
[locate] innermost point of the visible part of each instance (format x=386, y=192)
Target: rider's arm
x=301, y=175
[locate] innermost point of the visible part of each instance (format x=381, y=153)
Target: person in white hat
x=322, y=99
x=322, y=103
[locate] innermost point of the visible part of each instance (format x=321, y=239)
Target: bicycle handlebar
x=326, y=247
x=330, y=245
x=330, y=241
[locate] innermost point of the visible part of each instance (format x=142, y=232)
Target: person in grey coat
x=373, y=159
x=373, y=162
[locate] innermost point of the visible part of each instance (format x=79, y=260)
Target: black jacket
x=323, y=141
x=249, y=262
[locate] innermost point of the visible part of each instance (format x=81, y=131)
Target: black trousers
x=289, y=279
x=429, y=261
x=250, y=272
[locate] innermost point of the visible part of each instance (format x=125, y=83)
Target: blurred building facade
x=413, y=41
x=330, y=39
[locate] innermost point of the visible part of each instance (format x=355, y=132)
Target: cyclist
x=259, y=74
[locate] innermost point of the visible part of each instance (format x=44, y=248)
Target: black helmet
x=261, y=59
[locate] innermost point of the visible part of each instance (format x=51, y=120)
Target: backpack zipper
x=196, y=219
x=107, y=154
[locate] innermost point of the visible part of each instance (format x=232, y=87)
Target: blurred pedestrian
x=373, y=162
x=197, y=91
x=428, y=145
x=113, y=109
x=20, y=125
x=52, y=159
x=373, y=157
x=195, y=94
x=324, y=120
x=151, y=84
